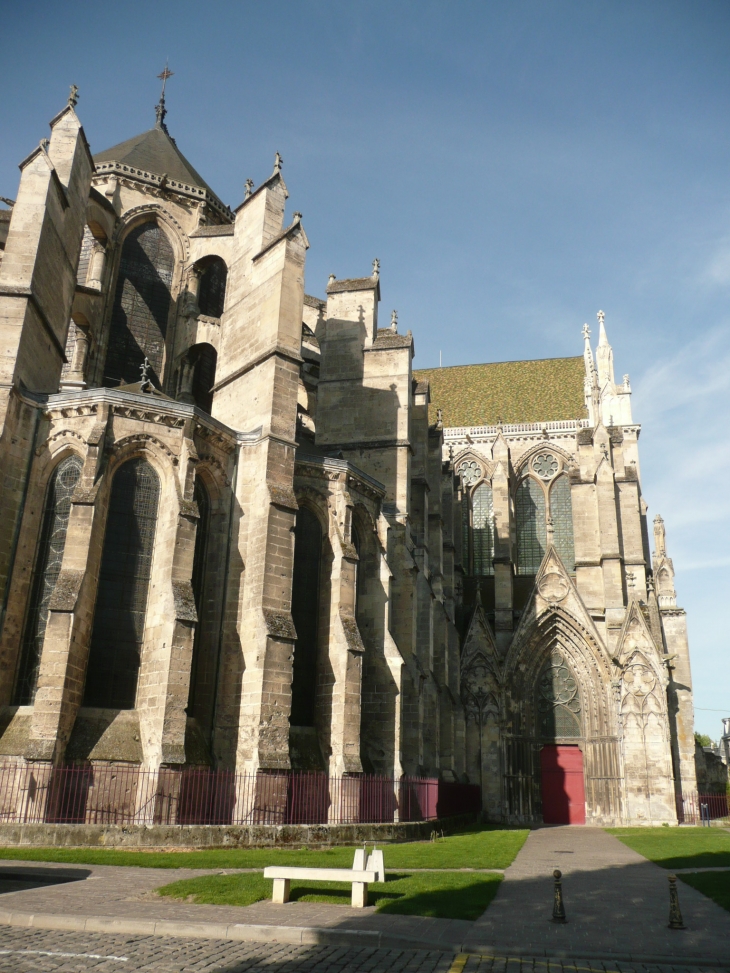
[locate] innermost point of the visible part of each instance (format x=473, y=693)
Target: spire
x=604, y=353
x=160, y=110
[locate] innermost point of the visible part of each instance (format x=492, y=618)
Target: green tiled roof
x=514, y=391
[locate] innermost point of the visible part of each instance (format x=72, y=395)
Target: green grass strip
x=478, y=848
x=447, y=895
x=715, y=885
x=679, y=847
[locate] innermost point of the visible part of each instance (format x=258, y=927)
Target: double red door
x=563, y=789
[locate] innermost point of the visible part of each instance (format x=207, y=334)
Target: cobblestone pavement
x=41, y=951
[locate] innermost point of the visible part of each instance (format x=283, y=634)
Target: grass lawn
x=445, y=895
x=473, y=848
x=715, y=885
x=678, y=847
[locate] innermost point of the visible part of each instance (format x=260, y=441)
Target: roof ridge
x=509, y=361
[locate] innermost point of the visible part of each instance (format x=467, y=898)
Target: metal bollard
x=675, y=915
x=558, y=907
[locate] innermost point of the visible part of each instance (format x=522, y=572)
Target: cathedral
x=239, y=531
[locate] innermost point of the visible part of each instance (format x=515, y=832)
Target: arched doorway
x=559, y=712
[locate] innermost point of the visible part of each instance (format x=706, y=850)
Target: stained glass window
x=561, y=510
x=305, y=614
x=45, y=574
x=124, y=578
x=531, y=528
x=141, y=306
x=483, y=529
x=558, y=700
x=212, y=293
x=465, y=532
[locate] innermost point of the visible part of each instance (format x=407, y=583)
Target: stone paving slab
x=617, y=904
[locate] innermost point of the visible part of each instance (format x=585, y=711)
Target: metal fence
x=124, y=794
x=706, y=809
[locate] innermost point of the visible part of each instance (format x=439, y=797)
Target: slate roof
x=155, y=152
x=543, y=390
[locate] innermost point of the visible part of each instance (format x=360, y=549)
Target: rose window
x=545, y=465
x=470, y=472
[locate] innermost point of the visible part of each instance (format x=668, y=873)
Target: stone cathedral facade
x=238, y=530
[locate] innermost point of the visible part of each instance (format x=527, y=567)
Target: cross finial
x=144, y=369
x=394, y=321
x=601, y=318
x=73, y=96
x=167, y=73
x=278, y=162
x=160, y=110
x=296, y=216
x=248, y=188
x=376, y=268
x=586, y=332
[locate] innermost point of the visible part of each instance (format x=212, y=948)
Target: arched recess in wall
x=203, y=669
x=530, y=526
x=46, y=570
x=212, y=290
x=561, y=511
x=141, y=306
x=203, y=360
x=124, y=578
x=306, y=586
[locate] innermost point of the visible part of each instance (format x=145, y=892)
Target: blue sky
x=515, y=166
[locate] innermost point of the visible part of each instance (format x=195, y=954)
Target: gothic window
x=212, y=293
x=141, y=306
x=482, y=511
x=561, y=511
x=199, y=670
x=531, y=526
x=45, y=574
x=558, y=700
x=124, y=577
x=305, y=615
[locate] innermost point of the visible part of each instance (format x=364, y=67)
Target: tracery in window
x=141, y=306
x=121, y=600
x=530, y=525
x=483, y=530
x=212, y=293
x=305, y=615
x=45, y=574
x=558, y=700
x=561, y=511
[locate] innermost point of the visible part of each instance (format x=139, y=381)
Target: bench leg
x=359, y=895
x=281, y=890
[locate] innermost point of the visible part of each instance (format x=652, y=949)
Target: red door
x=563, y=791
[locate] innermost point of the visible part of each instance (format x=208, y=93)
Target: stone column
x=97, y=263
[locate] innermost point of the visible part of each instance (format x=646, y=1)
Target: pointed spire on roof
x=73, y=96
x=160, y=110
x=604, y=353
x=278, y=163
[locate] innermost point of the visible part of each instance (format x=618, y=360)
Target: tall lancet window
x=141, y=306
x=561, y=510
x=45, y=574
x=531, y=527
x=201, y=674
x=482, y=513
x=124, y=578
x=305, y=615
x=212, y=293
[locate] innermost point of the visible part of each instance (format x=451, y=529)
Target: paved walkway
x=617, y=903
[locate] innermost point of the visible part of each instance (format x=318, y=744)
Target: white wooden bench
x=360, y=876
